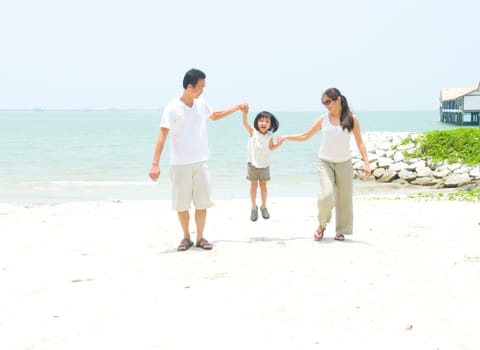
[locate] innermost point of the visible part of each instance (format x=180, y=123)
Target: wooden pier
x=460, y=106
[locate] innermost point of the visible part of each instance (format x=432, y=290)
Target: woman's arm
x=316, y=127
x=361, y=145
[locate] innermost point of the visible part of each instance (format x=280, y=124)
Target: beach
x=106, y=275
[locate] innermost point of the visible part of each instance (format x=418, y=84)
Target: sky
x=277, y=55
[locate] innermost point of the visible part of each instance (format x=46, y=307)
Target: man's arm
x=155, y=170
x=217, y=115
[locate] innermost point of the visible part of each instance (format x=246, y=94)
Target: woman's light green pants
x=336, y=191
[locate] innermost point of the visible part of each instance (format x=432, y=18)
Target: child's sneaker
x=254, y=214
x=265, y=213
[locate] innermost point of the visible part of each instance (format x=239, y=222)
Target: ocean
x=61, y=156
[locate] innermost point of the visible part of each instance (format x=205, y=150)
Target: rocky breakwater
x=386, y=154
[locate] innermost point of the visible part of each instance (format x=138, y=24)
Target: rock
x=380, y=153
x=475, y=172
x=384, y=162
x=424, y=172
x=379, y=172
x=398, y=156
x=386, y=152
x=398, y=166
x=407, y=175
x=456, y=180
x=434, y=165
x=414, y=136
x=385, y=145
x=372, y=157
x=441, y=173
x=359, y=165
x=416, y=164
x=425, y=181
x=454, y=167
x=462, y=170
x=388, y=176
x=358, y=174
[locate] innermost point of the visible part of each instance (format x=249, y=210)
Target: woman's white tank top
x=335, y=145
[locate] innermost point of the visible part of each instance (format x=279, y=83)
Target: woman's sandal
x=339, y=237
x=318, y=235
x=203, y=243
x=184, y=245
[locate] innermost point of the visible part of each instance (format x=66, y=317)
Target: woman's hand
x=368, y=171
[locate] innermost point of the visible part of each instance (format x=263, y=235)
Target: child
x=260, y=144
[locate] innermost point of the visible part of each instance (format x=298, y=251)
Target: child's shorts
x=258, y=174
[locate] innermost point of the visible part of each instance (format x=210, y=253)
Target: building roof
x=448, y=94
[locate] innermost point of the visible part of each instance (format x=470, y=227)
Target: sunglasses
x=327, y=102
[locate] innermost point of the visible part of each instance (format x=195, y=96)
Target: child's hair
x=274, y=124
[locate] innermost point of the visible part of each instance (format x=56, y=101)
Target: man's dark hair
x=192, y=77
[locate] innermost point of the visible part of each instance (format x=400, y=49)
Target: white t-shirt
x=188, y=130
x=258, y=150
x=335, y=145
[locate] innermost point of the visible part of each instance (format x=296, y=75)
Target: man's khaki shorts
x=190, y=182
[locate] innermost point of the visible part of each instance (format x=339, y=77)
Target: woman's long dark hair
x=346, y=118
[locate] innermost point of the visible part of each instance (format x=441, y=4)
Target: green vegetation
x=472, y=195
x=456, y=145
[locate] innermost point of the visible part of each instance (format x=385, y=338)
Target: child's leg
x=253, y=193
x=263, y=193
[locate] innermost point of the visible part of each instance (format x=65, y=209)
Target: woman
x=335, y=162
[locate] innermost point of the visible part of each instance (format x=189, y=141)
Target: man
x=185, y=119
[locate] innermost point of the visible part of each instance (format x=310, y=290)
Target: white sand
x=106, y=275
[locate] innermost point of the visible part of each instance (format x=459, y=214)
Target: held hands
x=276, y=145
x=280, y=140
x=243, y=107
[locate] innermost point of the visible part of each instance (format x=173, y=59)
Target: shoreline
x=161, y=191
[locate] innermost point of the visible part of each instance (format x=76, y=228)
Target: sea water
x=58, y=156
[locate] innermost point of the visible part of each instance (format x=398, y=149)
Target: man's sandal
x=318, y=235
x=203, y=243
x=184, y=245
